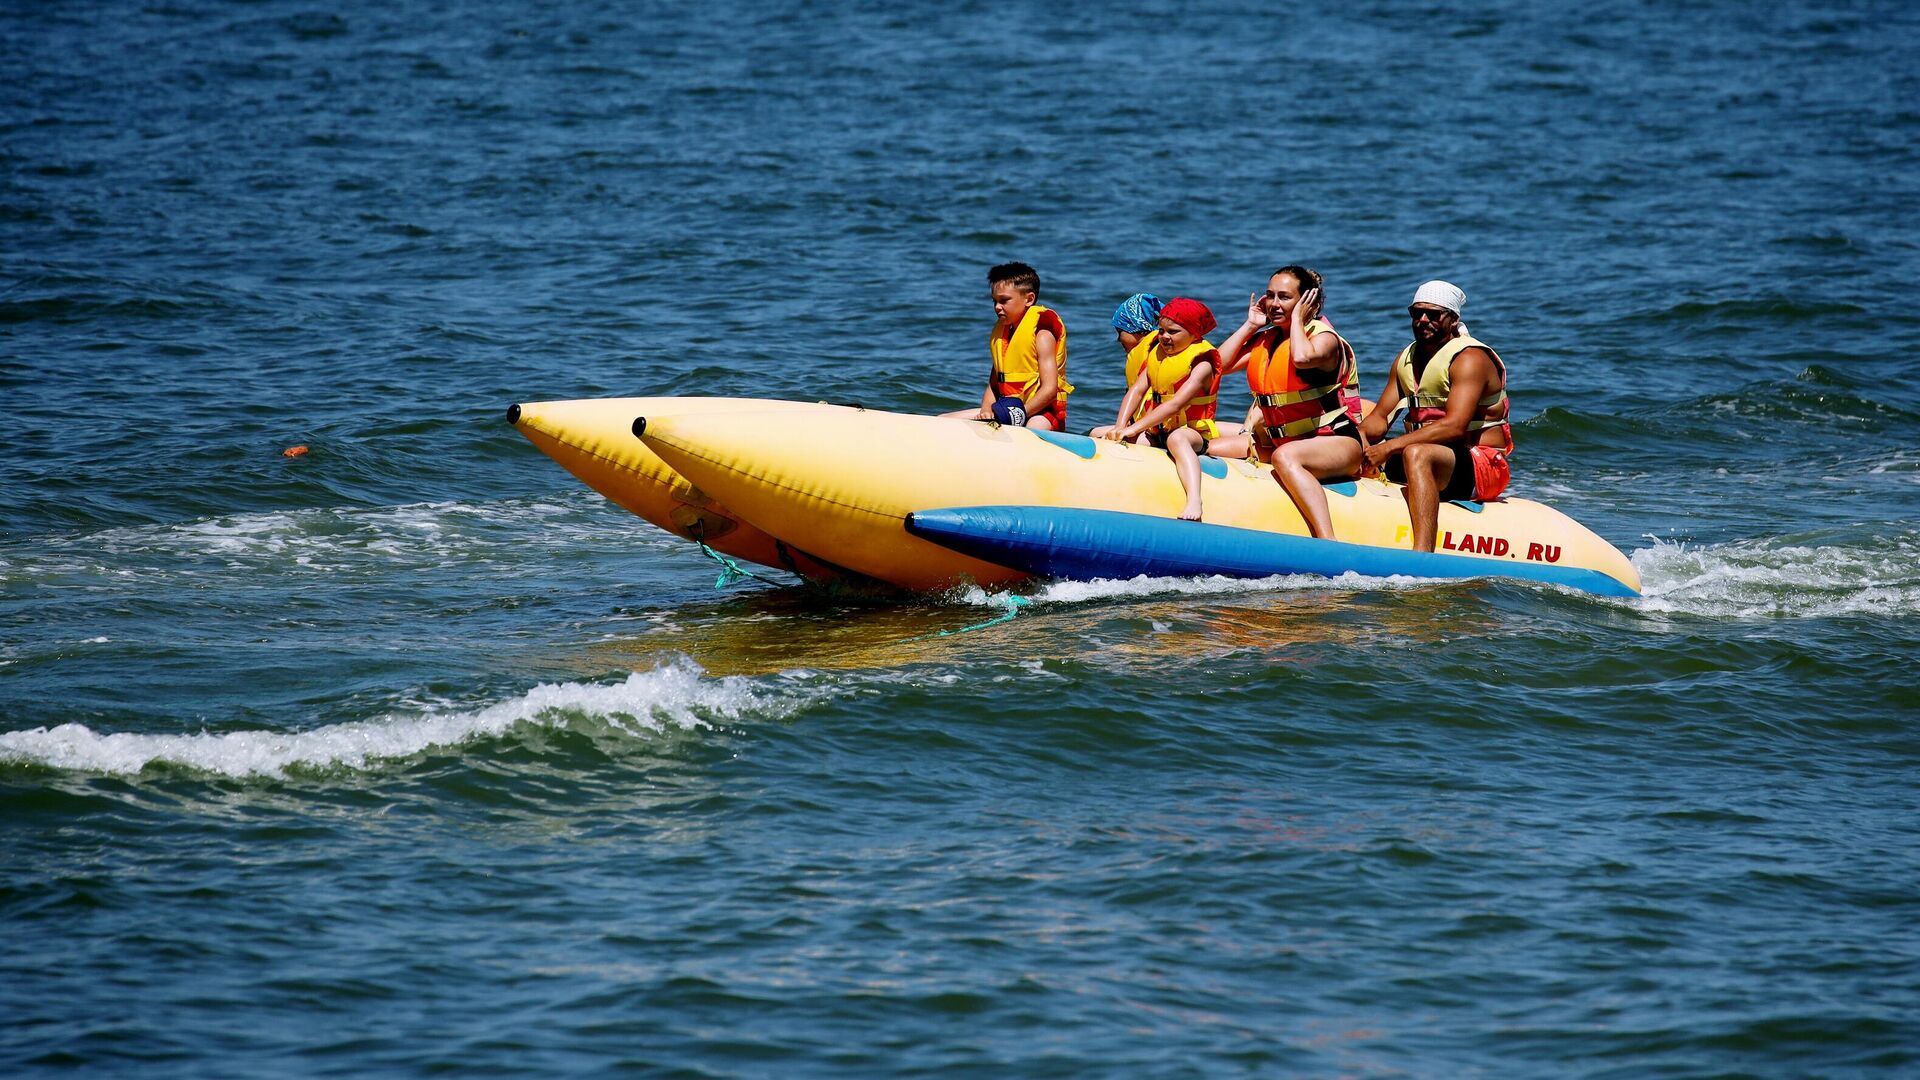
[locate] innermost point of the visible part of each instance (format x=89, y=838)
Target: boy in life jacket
x=1028, y=345
x=1178, y=386
x=1135, y=322
x=1453, y=389
x=1306, y=389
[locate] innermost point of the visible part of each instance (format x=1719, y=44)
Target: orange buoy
x=293, y=451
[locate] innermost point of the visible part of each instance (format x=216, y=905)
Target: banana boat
x=593, y=439
x=926, y=503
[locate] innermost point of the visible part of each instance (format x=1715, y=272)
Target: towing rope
x=730, y=571
x=1014, y=604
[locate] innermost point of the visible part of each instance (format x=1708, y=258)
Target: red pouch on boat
x=1490, y=472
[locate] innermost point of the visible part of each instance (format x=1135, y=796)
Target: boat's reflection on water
x=1132, y=625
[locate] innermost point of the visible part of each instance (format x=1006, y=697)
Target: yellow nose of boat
x=595, y=440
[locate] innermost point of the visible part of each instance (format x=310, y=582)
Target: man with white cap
x=1453, y=389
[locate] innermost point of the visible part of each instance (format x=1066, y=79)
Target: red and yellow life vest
x=1016, y=360
x=1167, y=374
x=1295, y=404
x=1425, y=400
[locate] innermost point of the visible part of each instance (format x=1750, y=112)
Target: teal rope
x=730, y=571
x=1014, y=604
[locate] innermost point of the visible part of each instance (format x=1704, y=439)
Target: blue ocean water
x=410, y=755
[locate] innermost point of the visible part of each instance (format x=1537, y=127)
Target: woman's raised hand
x=1256, y=313
x=1307, y=308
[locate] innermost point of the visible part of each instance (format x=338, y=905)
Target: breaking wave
x=1807, y=576
x=676, y=695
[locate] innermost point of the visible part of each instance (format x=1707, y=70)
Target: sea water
x=411, y=756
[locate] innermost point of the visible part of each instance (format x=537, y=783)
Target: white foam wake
x=1079, y=592
x=327, y=541
x=1815, y=575
x=674, y=695
x=1783, y=577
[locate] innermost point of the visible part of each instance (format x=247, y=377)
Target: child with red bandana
x=1180, y=383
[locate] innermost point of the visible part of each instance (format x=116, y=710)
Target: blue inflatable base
x=1084, y=545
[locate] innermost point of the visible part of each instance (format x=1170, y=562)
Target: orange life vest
x=1295, y=404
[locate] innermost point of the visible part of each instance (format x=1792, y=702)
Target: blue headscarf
x=1138, y=314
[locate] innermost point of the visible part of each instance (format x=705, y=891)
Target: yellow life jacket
x=1137, y=359
x=1016, y=361
x=1167, y=374
x=1351, y=389
x=1425, y=401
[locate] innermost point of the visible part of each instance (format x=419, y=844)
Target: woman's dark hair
x=1307, y=277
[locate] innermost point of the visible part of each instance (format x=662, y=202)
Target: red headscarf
x=1190, y=314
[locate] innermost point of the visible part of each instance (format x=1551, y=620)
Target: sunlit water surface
x=411, y=756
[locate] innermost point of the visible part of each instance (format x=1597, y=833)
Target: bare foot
x=1191, y=513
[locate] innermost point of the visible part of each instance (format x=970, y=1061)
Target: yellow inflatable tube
x=593, y=439
x=842, y=482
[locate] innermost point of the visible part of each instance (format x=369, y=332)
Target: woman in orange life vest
x=1028, y=344
x=1306, y=389
x=1180, y=382
x=1453, y=389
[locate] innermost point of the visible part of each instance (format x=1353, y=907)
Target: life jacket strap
x=1295, y=397
x=1306, y=425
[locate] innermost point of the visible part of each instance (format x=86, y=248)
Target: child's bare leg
x=1301, y=465
x=1230, y=446
x=1184, y=446
x=1040, y=423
